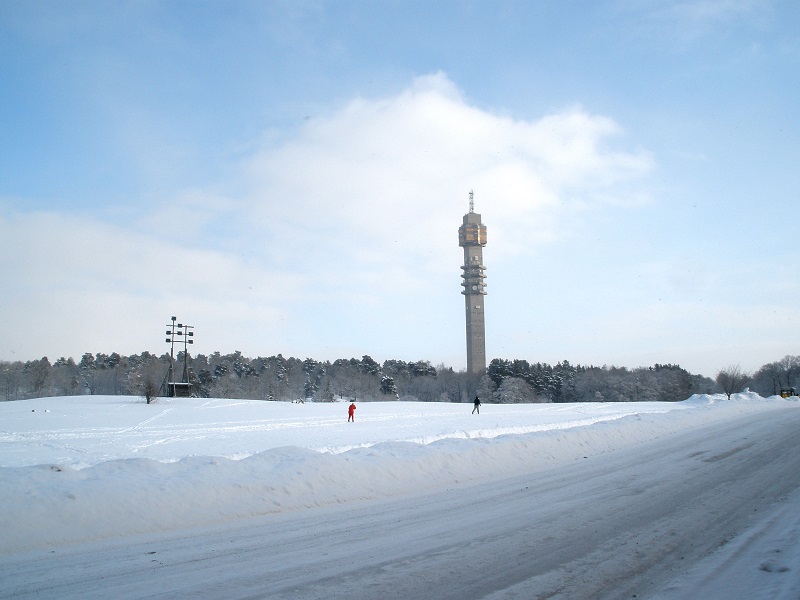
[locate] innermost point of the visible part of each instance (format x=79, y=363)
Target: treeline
x=279, y=378
x=774, y=377
x=289, y=379
x=515, y=381
x=234, y=376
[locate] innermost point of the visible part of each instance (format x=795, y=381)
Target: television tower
x=472, y=237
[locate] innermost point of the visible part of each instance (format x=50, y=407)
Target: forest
x=364, y=379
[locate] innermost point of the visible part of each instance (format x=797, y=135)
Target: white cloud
x=345, y=235
x=395, y=172
x=76, y=285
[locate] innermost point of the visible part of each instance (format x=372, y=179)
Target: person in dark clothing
x=477, y=405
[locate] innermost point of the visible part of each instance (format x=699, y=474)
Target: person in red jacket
x=351, y=413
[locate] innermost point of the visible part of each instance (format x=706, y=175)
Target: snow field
x=89, y=468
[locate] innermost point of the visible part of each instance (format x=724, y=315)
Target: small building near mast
x=472, y=237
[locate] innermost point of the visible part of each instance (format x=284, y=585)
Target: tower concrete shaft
x=472, y=237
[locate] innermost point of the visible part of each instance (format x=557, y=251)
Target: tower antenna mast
x=472, y=237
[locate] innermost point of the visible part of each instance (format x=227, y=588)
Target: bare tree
x=10, y=380
x=150, y=389
x=732, y=380
x=790, y=369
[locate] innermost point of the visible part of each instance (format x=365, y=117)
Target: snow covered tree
x=368, y=365
x=499, y=369
x=422, y=368
x=313, y=372
x=514, y=390
x=87, y=361
x=485, y=389
x=388, y=387
x=66, y=377
x=38, y=373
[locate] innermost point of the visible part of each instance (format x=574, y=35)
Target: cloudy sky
x=289, y=177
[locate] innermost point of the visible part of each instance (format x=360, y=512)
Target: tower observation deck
x=472, y=237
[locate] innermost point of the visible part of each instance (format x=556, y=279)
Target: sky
x=289, y=177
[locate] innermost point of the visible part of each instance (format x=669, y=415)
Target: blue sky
x=289, y=177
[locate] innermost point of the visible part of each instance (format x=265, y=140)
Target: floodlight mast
x=178, y=332
x=171, y=342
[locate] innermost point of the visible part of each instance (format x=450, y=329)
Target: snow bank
x=55, y=503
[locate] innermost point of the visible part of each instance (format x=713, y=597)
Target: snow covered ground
x=90, y=484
